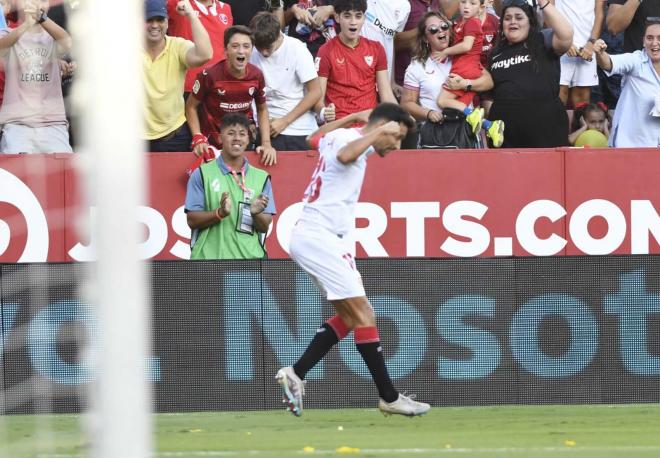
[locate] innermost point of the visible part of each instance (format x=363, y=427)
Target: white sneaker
x=294, y=390
x=403, y=406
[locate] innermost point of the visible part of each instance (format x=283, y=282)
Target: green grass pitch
x=622, y=431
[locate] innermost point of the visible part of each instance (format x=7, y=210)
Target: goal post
x=108, y=98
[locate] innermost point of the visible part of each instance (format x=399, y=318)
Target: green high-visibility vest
x=222, y=240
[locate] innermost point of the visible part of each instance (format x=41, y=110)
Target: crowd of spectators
x=292, y=65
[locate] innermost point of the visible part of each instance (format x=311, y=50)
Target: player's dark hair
x=350, y=5
x=234, y=29
x=265, y=29
x=391, y=112
x=234, y=119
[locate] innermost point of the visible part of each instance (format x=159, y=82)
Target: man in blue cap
x=165, y=61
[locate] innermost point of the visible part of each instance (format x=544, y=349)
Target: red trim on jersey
x=339, y=326
x=366, y=335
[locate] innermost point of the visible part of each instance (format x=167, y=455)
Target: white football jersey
x=383, y=20
x=334, y=189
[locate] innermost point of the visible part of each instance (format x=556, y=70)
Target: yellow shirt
x=164, y=110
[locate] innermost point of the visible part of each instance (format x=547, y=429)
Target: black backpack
x=453, y=132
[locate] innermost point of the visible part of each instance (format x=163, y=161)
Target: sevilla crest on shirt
x=369, y=60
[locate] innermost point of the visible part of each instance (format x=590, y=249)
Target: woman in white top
x=425, y=76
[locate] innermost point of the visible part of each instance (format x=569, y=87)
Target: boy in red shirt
x=466, y=53
x=351, y=67
x=230, y=86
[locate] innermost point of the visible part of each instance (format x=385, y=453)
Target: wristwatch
x=42, y=18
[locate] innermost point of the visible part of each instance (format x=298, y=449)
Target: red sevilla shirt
x=489, y=28
x=468, y=65
x=351, y=74
x=220, y=93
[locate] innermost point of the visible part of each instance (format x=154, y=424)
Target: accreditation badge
x=248, y=195
x=244, y=223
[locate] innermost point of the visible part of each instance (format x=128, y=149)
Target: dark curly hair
x=532, y=37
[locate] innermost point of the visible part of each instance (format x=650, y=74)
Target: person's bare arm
x=460, y=48
x=268, y=153
x=587, y=52
x=384, y=87
x=322, y=14
x=619, y=17
x=310, y=99
x=328, y=111
x=12, y=37
x=599, y=16
x=191, y=114
x=353, y=150
x=61, y=36
x=410, y=103
x=602, y=58
x=449, y=7
x=359, y=117
x=260, y=220
x=562, y=37
x=572, y=137
x=202, y=51
x=192, y=117
x=405, y=39
x=323, y=84
x=299, y=14
x=483, y=83
x=204, y=219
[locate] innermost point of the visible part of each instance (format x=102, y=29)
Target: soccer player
x=318, y=246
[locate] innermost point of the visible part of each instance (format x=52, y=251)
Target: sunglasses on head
x=435, y=29
x=518, y=3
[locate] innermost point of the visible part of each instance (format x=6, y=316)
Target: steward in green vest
x=229, y=203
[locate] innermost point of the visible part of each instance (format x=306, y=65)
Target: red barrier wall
x=414, y=203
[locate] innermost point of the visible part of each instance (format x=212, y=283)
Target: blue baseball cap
x=155, y=8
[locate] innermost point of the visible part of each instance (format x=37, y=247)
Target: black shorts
x=290, y=143
x=538, y=124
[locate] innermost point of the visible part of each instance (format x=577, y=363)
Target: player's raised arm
x=353, y=150
x=355, y=118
